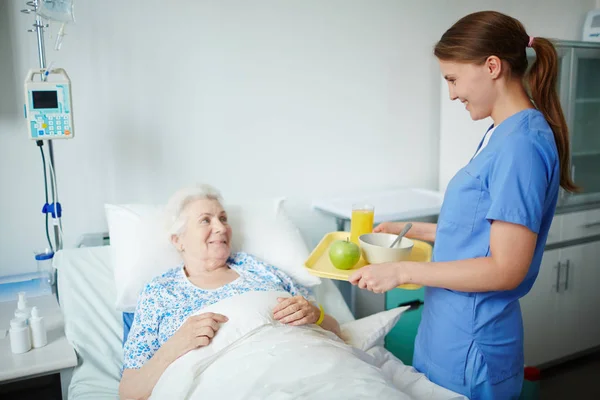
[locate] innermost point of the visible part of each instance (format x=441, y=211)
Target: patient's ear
x=176, y=242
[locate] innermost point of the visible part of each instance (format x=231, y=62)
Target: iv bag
x=56, y=10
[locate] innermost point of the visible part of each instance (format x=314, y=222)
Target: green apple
x=344, y=254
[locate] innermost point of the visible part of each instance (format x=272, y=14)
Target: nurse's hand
x=389, y=227
x=378, y=278
x=420, y=230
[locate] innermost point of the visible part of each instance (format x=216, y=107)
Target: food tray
x=318, y=262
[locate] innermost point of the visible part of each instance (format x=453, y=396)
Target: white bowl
x=375, y=248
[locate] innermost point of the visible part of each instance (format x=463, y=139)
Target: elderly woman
x=161, y=330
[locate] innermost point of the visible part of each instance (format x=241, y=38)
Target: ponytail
x=542, y=80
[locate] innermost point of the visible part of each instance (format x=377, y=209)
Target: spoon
x=401, y=234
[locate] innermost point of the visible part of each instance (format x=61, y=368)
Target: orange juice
x=361, y=223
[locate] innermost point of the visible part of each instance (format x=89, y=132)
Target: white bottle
x=38, y=328
x=22, y=310
x=20, y=341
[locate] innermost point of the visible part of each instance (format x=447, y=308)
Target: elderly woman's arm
x=301, y=309
x=196, y=331
x=330, y=324
x=144, y=358
x=298, y=310
x=139, y=383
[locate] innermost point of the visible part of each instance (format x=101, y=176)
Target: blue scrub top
x=515, y=178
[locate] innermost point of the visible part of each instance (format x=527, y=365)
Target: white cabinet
x=539, y=313
x=581, y=224
x=568, y=305
x=583, y=119
x=561, y=313
x=581, y=293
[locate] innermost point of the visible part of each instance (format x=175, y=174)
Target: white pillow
x=370, y=331
x=142, y=250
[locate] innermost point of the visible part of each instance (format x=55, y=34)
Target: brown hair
x=480, y=35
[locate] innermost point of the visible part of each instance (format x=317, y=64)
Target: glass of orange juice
x=361, y=221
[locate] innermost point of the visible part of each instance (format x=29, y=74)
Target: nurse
x=496, y=214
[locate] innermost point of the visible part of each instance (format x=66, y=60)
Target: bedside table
x=57, y=357
x=402, y=204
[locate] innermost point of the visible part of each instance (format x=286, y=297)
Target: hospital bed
x=94, y=328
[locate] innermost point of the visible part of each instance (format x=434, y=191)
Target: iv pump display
x=48, y=105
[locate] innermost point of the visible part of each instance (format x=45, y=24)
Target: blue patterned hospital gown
x=169, y=299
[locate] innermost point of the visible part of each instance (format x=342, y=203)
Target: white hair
x=175, y=221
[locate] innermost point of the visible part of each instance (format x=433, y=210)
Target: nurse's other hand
x=377, y=278
x=389, y=227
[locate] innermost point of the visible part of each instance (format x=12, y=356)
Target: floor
x=577, y=379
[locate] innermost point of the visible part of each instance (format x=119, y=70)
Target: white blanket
x=255, y=357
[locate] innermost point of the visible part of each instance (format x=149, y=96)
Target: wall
x=304, y=99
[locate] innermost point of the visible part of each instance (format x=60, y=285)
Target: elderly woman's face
x=207, y=235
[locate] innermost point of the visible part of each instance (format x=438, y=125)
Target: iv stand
x=38, y=28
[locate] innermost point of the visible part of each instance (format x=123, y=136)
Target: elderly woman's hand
x=296, y=311
x=196, y=331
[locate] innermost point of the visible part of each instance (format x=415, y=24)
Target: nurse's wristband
x=321, y=317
